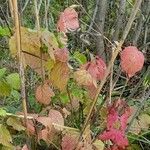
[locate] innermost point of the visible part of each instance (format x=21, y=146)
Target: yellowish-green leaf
x=2, y=72
x=14, y=80
x=134, y=147
x=49, y=64
x=59, y=75
x=5, y=137
x=144, y=121
x=2, y=112
x=30, y=42
x=15, y=123
x=81, y=58
x=99, y=145
x=5, y=88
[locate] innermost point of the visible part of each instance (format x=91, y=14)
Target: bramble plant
x=76, y=112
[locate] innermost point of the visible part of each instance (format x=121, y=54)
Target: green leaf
x=2, y=112
x=64, y=98
x=81, y=58
x=2, y=72
x=15, y=95
x=14, y=80
x=5, y=137
x=15, y=123
x=5, y=88
x=4, y=31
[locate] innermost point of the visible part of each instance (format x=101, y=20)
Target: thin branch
x=25, y=5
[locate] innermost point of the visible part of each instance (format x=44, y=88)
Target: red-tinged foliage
x=61, y=54
x=92, y=90
x=30, y=127
x=44, y=93
x=56, y=117
x=25, y=147
x=69, y=142
x=96, y=68
x=46, y=121
x=116, y=124
x=132, y=60
x=68, y=20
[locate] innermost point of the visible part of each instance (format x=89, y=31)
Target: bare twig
x=11, y=9
x=25, y=5
x=47, y=3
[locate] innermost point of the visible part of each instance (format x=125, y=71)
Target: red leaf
x=68, y=20
x=43, y=94
x=56, y=117
x=30, y=127
x=61, y=54
x=132, y=60
x=116, y=136
x=25, y=147
x=96, y=68
x=116, y=124
x=69, y=142
x=46, y=121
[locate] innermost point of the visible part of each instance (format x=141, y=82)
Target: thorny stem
x=117, y=50
x=20, y=56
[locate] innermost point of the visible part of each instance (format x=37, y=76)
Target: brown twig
x=117, y=50
x=20, y=56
